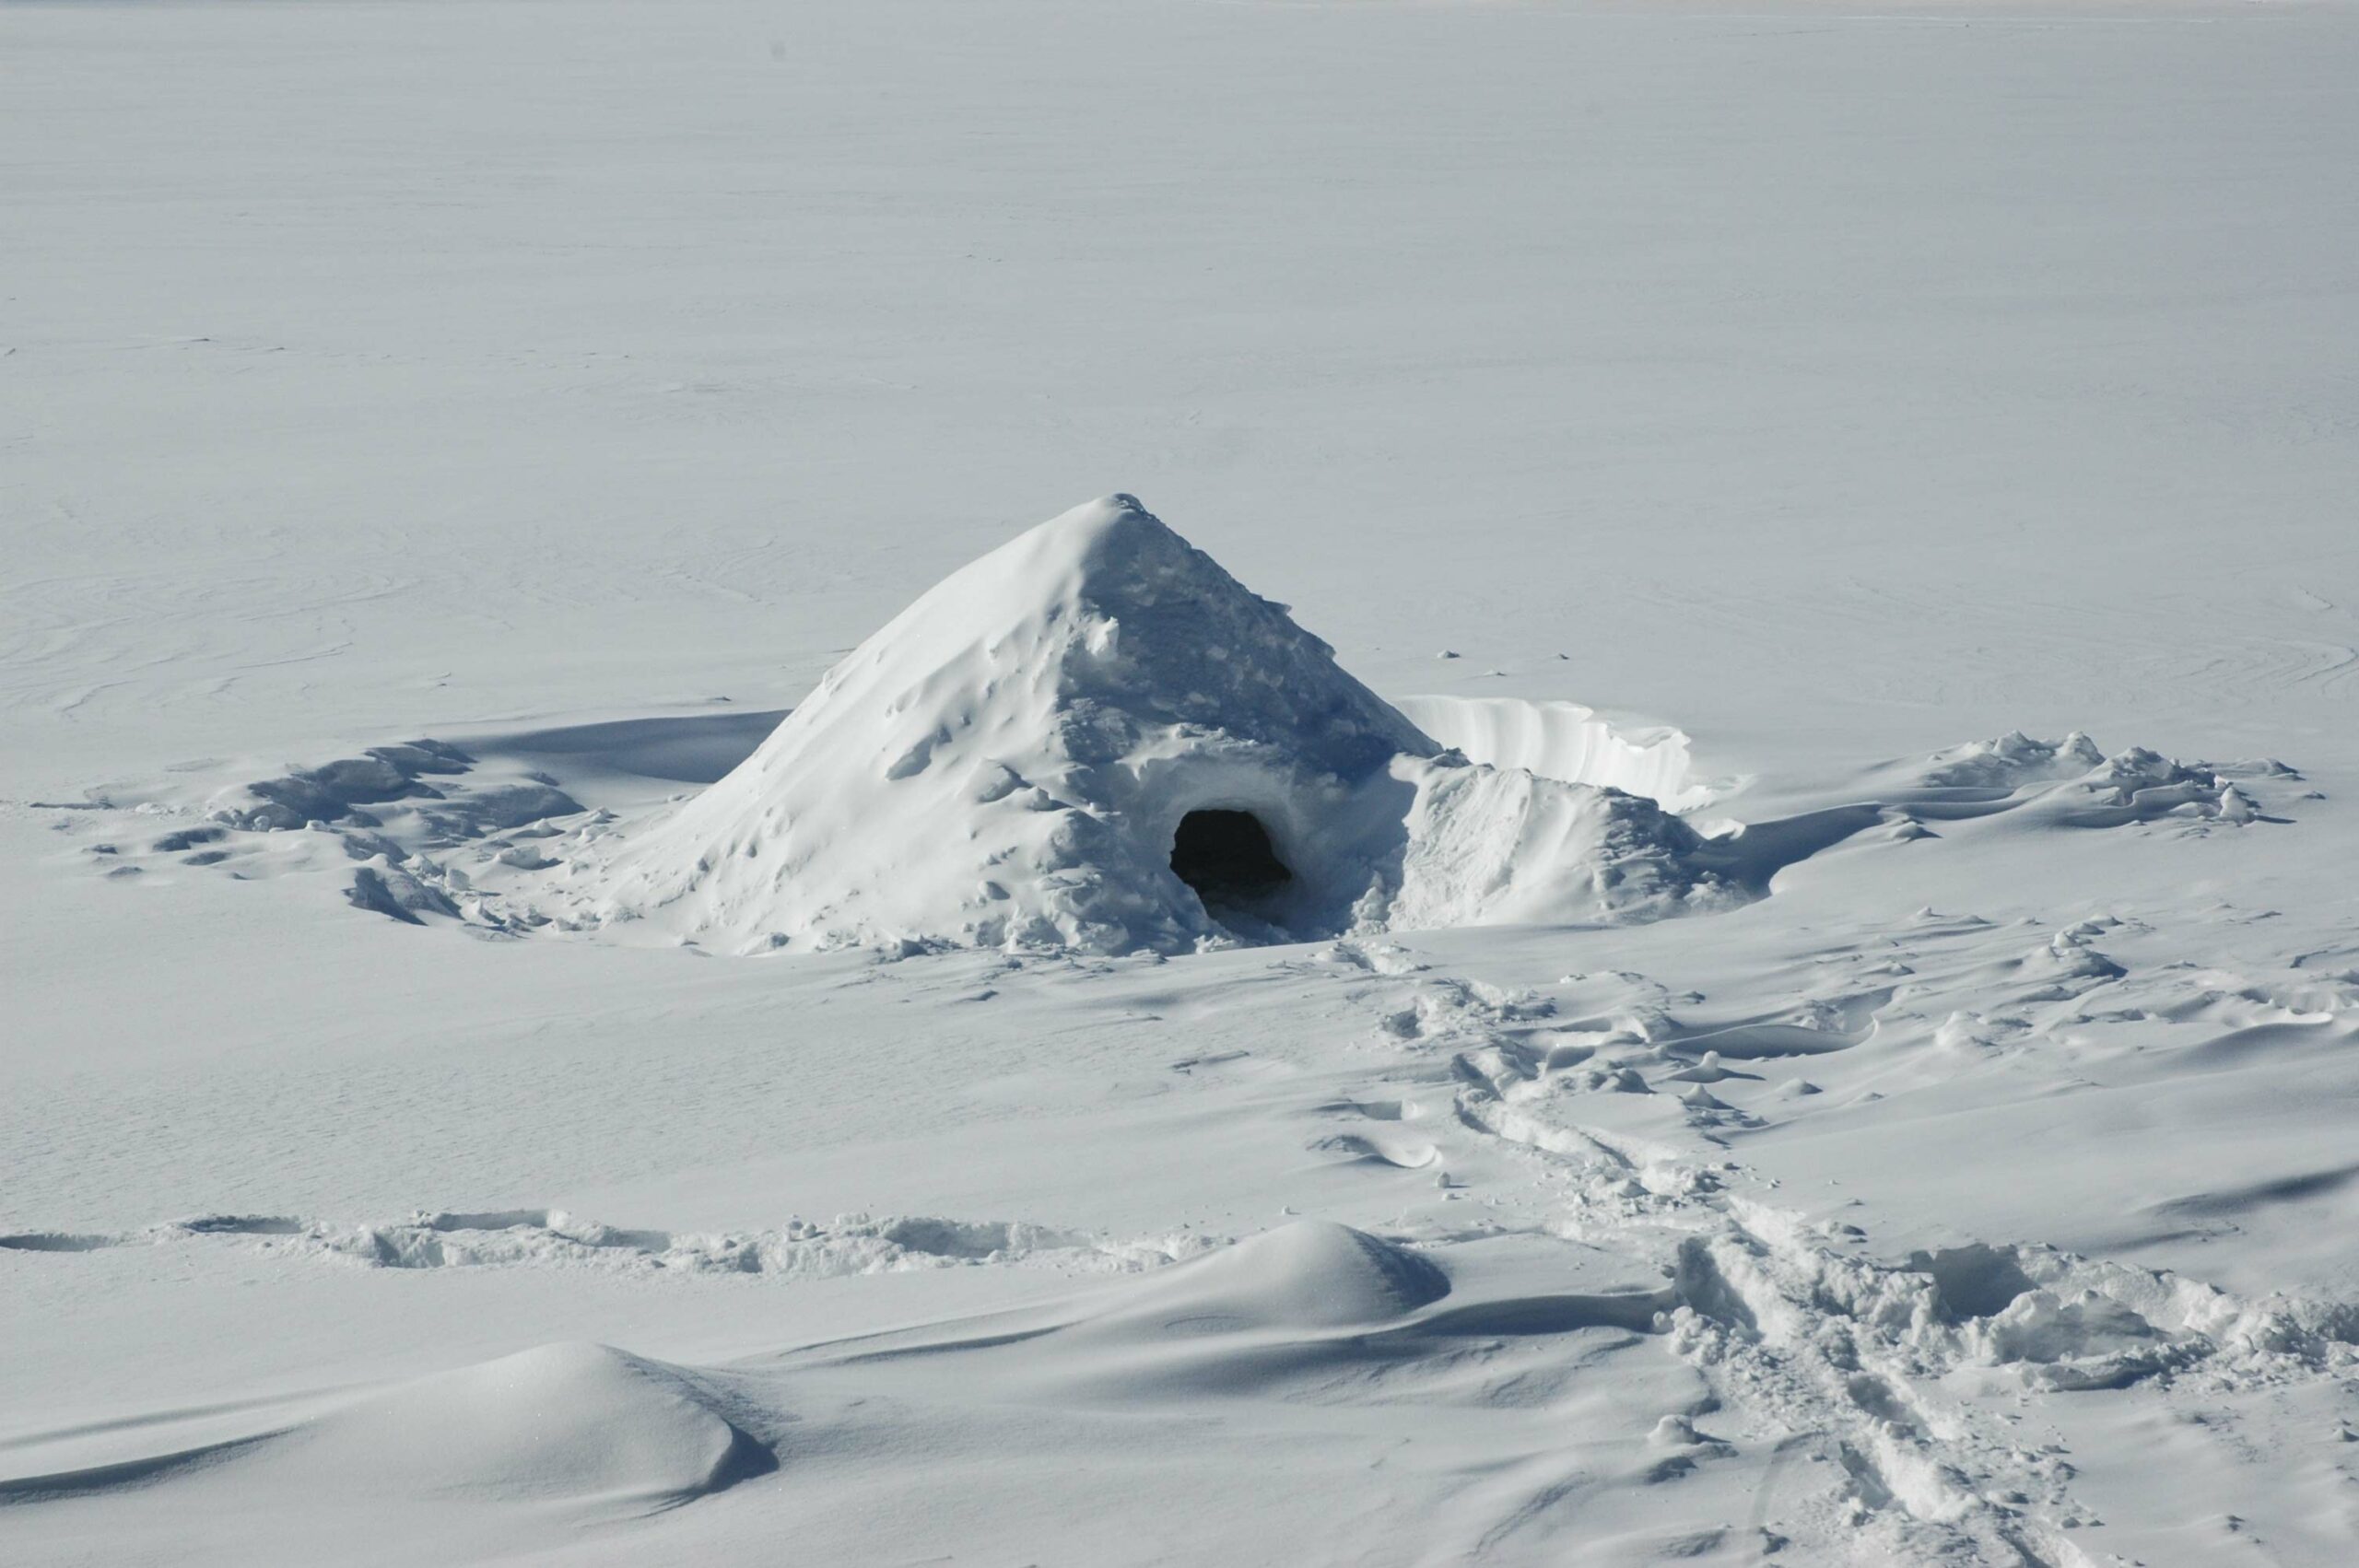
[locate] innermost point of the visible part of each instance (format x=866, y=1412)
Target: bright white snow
x=1007, y=762
x=1907, y=453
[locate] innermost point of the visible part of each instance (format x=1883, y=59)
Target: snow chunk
x=1502, y=846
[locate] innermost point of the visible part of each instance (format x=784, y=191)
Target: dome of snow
x=1095, y=738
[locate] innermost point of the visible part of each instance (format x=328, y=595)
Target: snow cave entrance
x=1227, y=857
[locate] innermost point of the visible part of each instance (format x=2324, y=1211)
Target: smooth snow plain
x=1924, y=439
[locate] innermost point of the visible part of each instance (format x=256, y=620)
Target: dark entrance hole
x=1226, y=858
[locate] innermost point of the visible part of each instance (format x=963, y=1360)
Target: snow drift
x=1094, y=738
x=573, y=1421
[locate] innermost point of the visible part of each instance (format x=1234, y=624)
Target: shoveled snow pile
x=2073, y=783
x=1010, y=761
x=1489, y=845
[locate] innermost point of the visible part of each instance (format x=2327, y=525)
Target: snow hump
x=1012, y=760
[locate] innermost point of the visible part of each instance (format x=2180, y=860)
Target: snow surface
x=1906, y=452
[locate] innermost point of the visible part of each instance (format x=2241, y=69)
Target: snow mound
x=586, y=1429
x=580, y=1421
x=1096, y=739
x=395, y=782
x=1009, y=760
x=2139, y=785
x=2009, y=762
x=1306, y=1274
x=1493, y=847
x=2073, y=783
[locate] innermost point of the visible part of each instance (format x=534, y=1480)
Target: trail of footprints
x=1826, y=1362
x=1814, y=1348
